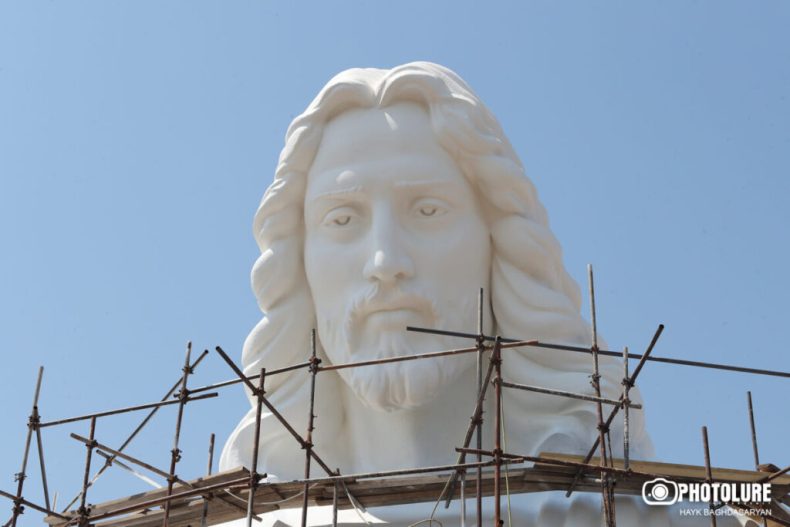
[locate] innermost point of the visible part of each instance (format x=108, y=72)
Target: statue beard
x=346, y=336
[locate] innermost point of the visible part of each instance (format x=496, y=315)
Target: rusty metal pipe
x=204, y=512
x=497, y=360
x=334, y=505
x=310, y=425
x=124, y=466
x=570, y=395
x=754, y=440
x=90, y=445
x=250, y=378
x=120, y=454
x=479, y=435
x=351, y=478
x=596, y=384
x=607, y=353
x=403, y=358
x=22, y=475
x=626, y=406
x=32, y=505
x=254, y=479
x=560, y=462
x=126, y=410
x=43, y=467
x=754, y=431
x=708, y=472
x=175, y=453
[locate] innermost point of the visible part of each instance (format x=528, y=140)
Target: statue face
x=394, y=237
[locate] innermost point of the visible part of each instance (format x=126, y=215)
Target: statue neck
x=424, y=436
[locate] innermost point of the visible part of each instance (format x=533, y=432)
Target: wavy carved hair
x=532, y=296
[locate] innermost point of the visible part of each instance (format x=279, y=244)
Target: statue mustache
x=375, y=298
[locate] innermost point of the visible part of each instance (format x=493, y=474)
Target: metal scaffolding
x=246, y=493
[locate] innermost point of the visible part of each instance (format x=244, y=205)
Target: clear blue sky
x=136, y=139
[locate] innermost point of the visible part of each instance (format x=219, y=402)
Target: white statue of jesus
x=396, y=197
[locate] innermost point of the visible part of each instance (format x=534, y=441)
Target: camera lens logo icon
x=660, y=491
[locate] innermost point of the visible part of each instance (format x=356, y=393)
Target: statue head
x=396, y=197
x=386, y=210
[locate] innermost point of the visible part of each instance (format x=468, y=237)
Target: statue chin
x=398, y=386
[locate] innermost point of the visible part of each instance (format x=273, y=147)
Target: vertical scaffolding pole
x=204, y=514
x=334, y=500
x=479, y=435
x=22, y=474
x=463, y=499
x=175, y=453
x=754, y=431
x=479, y=373
x=606, y=497
x=308, y=444
x=41, y=461
x=254, y=479
x=626, y=403
x=708, y=473
x=497, y=361
x=754, y=440
x=90, y=445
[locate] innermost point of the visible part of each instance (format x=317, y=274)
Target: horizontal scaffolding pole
x=570, y=395
x=26, y=503
x=562, y=463
x=112, y=461
x=350, y=478
x=121, y=455
x=430, y=355
x=577, y=349
x=250, y=378
x=125, y=410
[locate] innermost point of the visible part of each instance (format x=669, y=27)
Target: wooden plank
x=370, y=493
x=129, y=501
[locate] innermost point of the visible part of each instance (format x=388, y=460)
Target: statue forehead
x=370, y=133
x=391, y=151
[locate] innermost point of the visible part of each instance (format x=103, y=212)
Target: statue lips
x=393, y=318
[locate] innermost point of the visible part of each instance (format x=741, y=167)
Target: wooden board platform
x=400, y=490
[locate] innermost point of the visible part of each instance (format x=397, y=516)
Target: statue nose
x=388, y=261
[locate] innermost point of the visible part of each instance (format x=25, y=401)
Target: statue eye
x=340, y=217
x=430, y=208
